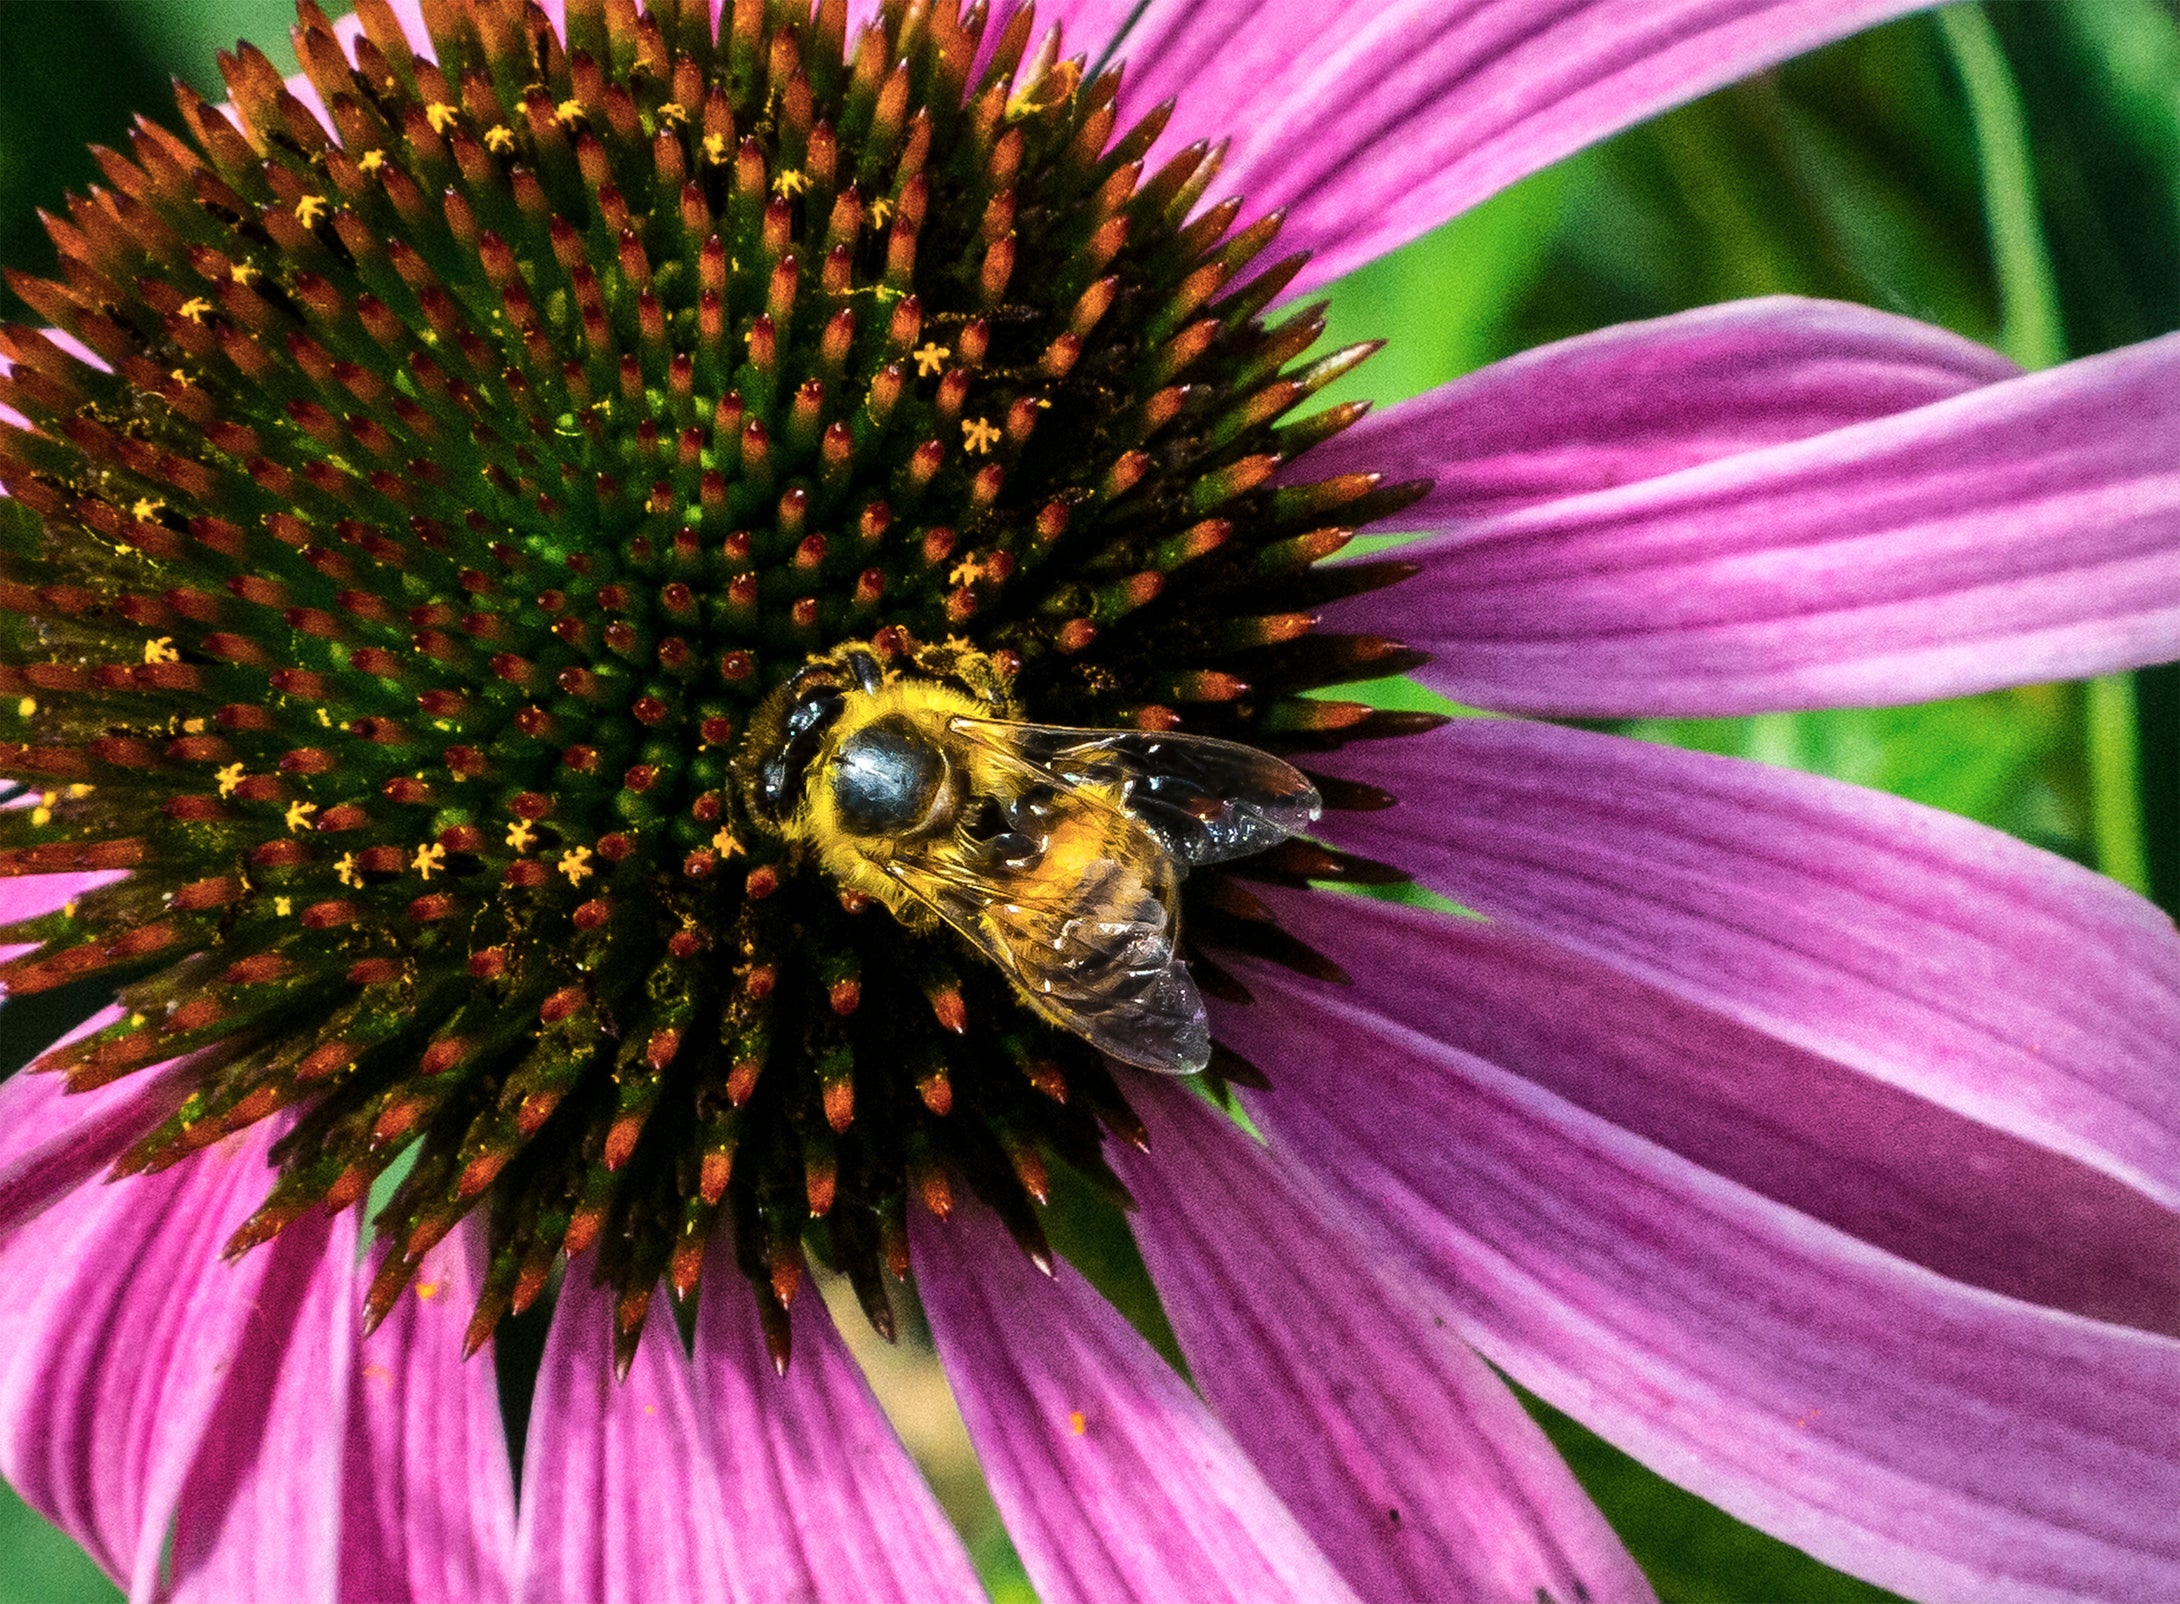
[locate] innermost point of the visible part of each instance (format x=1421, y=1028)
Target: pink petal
x=620, y=1502
x=1915, y=949
x=260, y=1516
x=1116, y=1484
x=1373, y=121
x=1403, y=1456
x=2027, y=531
x=431, y=1502
x=53, y=1140
x=31, y=895
x=121, y=1324
x=1639, y=400
x=1938, y=1439
x=824, y=1504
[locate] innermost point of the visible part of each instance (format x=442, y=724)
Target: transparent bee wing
x=1097, y=956
x=1208, y=800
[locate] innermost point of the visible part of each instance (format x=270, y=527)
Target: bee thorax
x=886, y=779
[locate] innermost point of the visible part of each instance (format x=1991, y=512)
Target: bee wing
x=1098, y=957
x=1208, y=800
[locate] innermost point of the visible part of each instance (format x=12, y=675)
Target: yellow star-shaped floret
x=298, y=815
x=429, y=858
x=568, y=113
x=371, y=160
x=930, y=358
x=575, y=864
x=968, y=571
x=145, y=508
x=243, y=272
x=715, y=149
x=978, y=435
x=499, y=139
x=229, y=778
x=520, y=835
x=790, y=182
x=880, y=210
x=161, y=650
x=192, y=726
x=309, y=209
x=673, y=111
x=441, y=116
x=344, y=870
x=726, y=844
x=196, y=309
x=283, y=906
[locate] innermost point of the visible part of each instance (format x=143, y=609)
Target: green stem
x=2031, y=331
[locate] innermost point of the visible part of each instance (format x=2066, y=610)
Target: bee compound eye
x=885, y=779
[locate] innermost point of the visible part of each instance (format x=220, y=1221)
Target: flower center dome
x=395, y=603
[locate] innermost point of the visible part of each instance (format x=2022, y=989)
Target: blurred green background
x=2011, y=172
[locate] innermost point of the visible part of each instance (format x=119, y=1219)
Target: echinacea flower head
x=439, y=473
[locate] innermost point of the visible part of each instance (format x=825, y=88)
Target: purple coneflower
x=411, y=521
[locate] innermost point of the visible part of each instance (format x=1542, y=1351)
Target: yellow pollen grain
x=41, y=815
x=229, y=778
x=1077, y=1422
x=283, y=906
x=499, y=139
x=427, y=1290
x=575, y=864
x=978, y=435
x=568, y=113
x=192, y=726
x=441, y=116
x=429, y=857
x=27, y=707
x=344, y=870
x=673, y=111
x=161, y=649
x=325, y=719
x=930, y=359
x=68, y=910
x=715, y=149
x=298, y=815
x=78, y=791
x=310, y=209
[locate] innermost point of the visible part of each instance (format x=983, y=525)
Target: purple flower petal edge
x=1915, y=948
x=1940, y=1440
x=827, y=1507
x=1116, y=1484
x=1370, y=122
x=2027, y=531
x=429, y=1496
x=1410, y=1463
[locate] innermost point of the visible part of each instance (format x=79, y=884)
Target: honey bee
x=1058, y=853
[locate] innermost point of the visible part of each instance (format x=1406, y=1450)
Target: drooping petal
x=620, y=1503
x=1374, y=122
x=2027, y=531
x=1941, y=1440
x=120, y=1327
x=52, y=1140
x=261, y=1513
x=1639, y=400
x=431, y=1501
x=1403, y=1456
x=824, y=1504
x=1116, y=1484
x=1918, y=950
